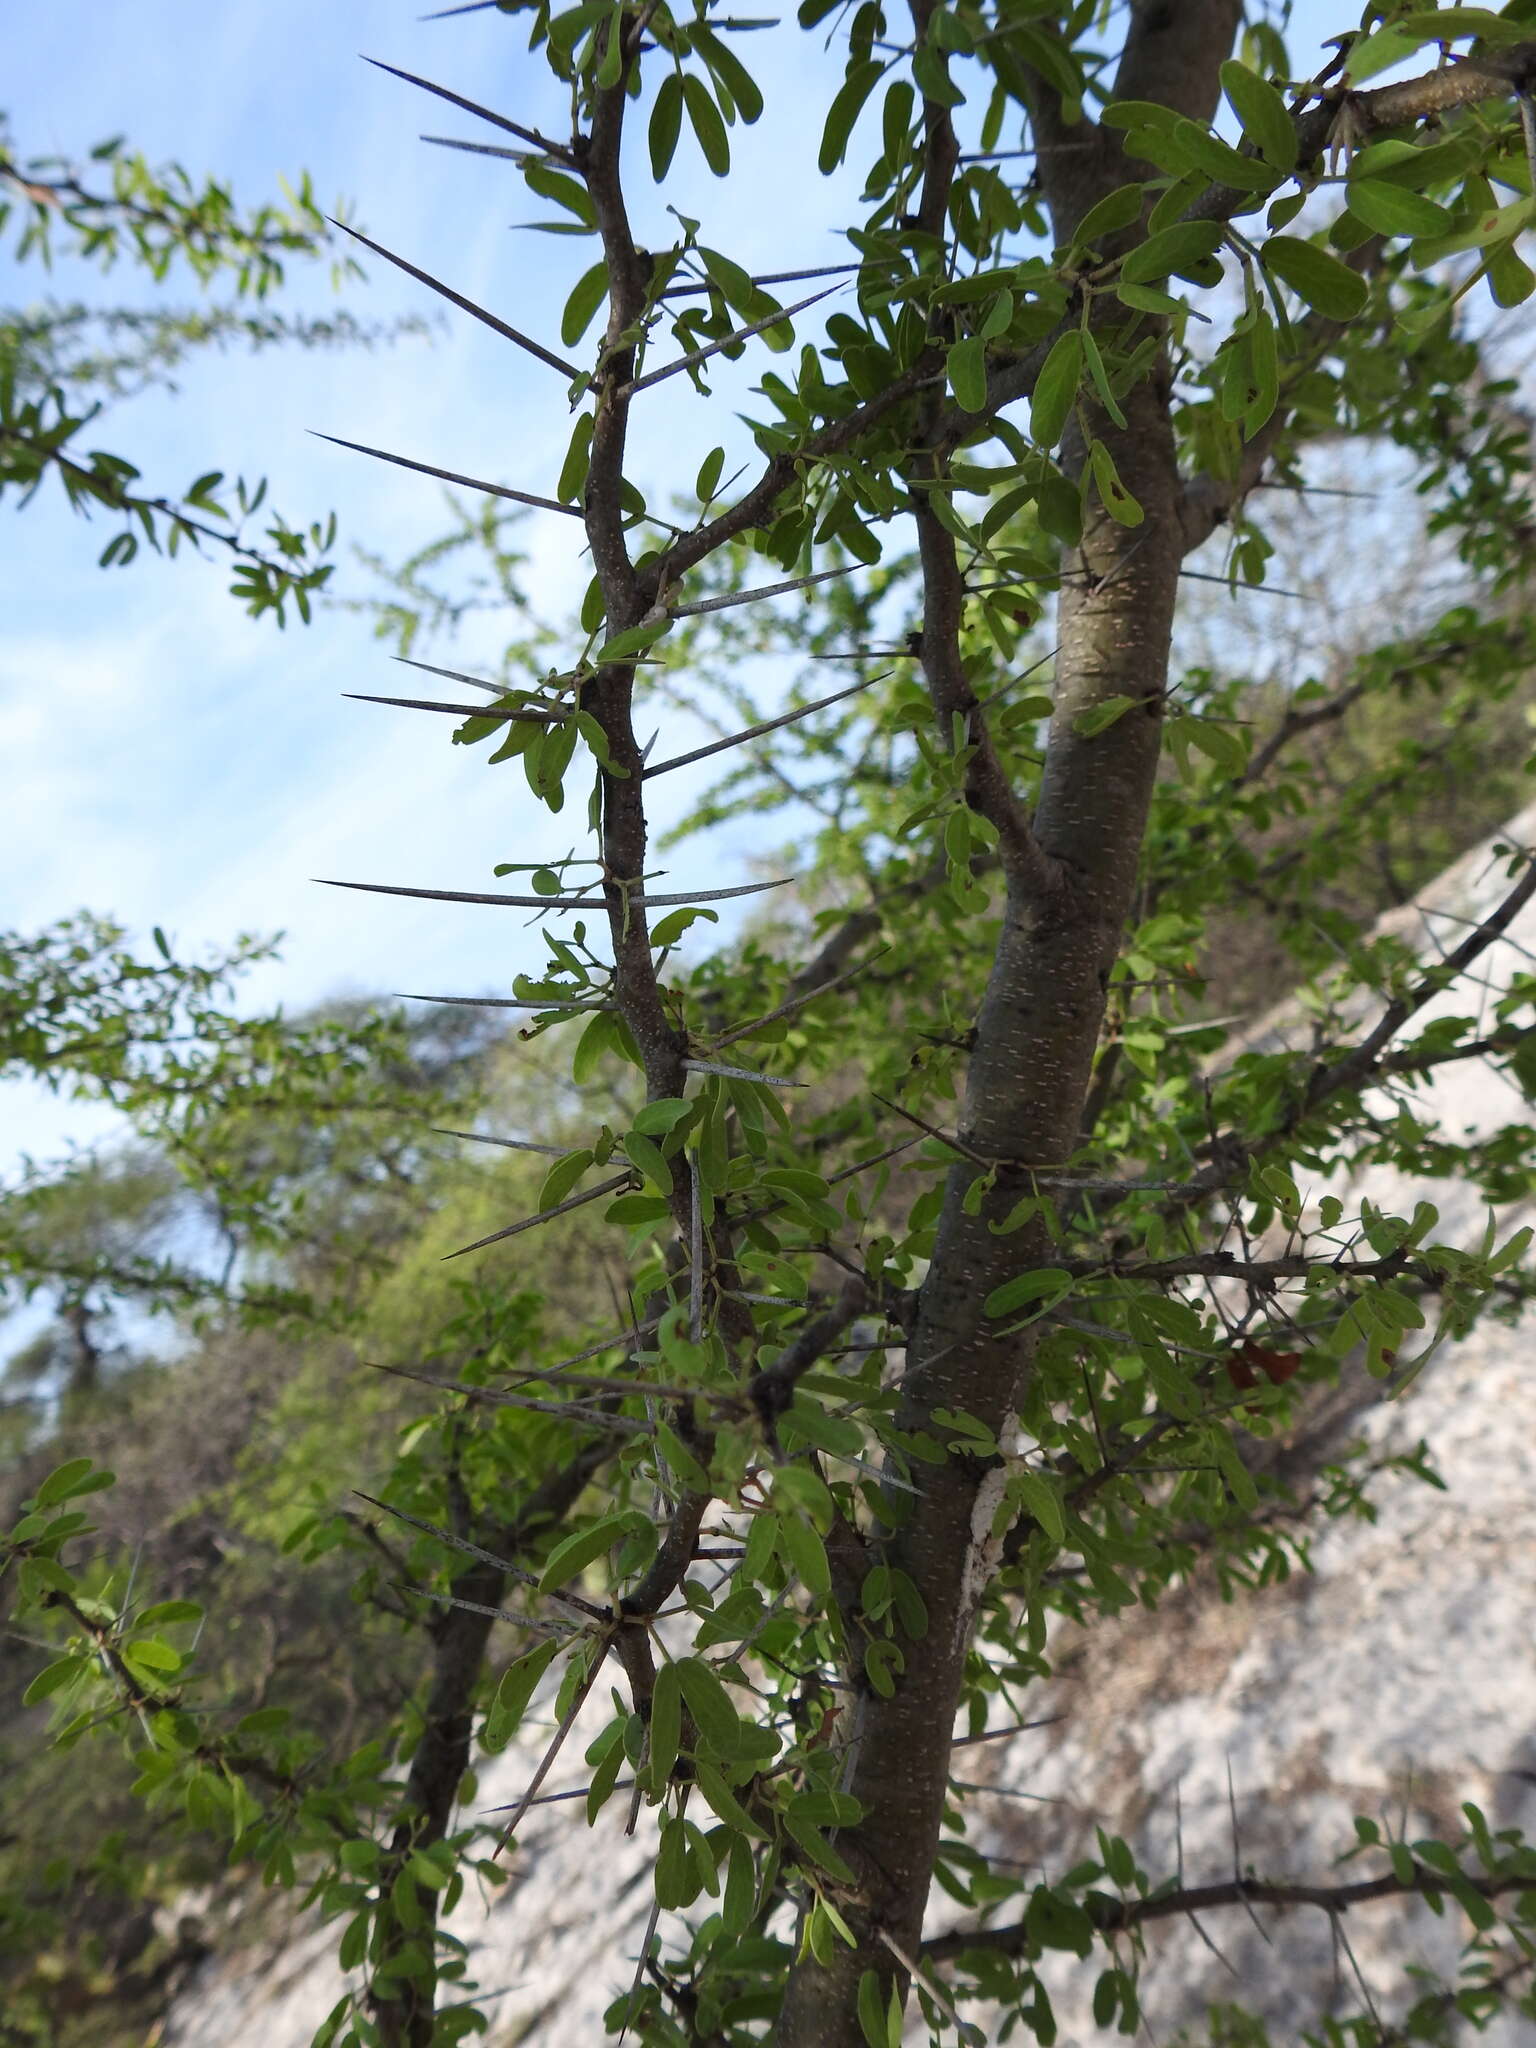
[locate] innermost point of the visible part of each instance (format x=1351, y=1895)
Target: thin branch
x=780, y=472
x=933, y=1131
x=1118, y=1916
x=1357, y=1064
x=1297, y=722
x=528, y=1621
x=754, y=732
x=501, y=1397
x=1256, y=1272
x=989, y=789
x=771, y=1388
x=452, y=476
x=681, y=291
x=1356, y=1068
x=566, y=1725
x=736, y=597
x=484, y=1138
x=672, y=1559
x=742, y=1074
x=796, y=1003
x=1002, y=1734
x=604, y=1187
x=702, y=355
x=462, y=1543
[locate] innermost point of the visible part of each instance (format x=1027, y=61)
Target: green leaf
x=1219, y=743
x=1451, y=24
x=590, y=292
x=623, y=647
x=578, y=1551
x=169, y=1610
x=710, y=472
x=883, y=1660
x=666, y=1725
x=1262, y=111
x=1047, y=1284
x=710, y=1704
x=967, y=369
x=677, y=1884
x=666, y=124
x=426, y=1871
x=933, y=80
x=724, y=1800
x=354, y=1941
x=67, y=1480
x=681, y=1462
x=845, y=109
x=729, y=71
x=1377, y=51
x=1110, y=216
x=1390, y=210
x=645, y=1154
x=1056, y=389
x=1488, y=225
x=806, y=1555
x=1040, y=1499
x=152, y=1655
x=1059, y=1922
x=573, y=473
x=562, y=1178
x=704, y=117
x=1233, y=1470
x=54, y=1677
x=669, y=929
x=1319, y=279
x=816, y=1845
x=657, y=1118
x=872, y=2011
x=740, y=1897
x=610, y=68
x=633, y=1210
x=1100, y=378
x=1172, y=251
x=518, y=1683
x=600, y=1037
x=1220, y=162
x=563, y=190
x=1117, y=500
x=1510, y=278
x=1148, y=298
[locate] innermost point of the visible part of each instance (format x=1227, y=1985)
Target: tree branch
x=1119, y=1916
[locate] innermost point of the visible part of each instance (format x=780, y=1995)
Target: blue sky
x=170, y=762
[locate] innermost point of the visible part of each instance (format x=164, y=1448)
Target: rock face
x=1395, y=1681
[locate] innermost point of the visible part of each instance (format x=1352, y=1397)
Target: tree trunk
x=1030, y=1067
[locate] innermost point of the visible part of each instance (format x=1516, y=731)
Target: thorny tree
x=949, y=1367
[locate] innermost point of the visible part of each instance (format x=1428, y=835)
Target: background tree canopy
x=827, y=1294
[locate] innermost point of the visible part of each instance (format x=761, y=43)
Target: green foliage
x=951, y=1279
x=54, y=382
